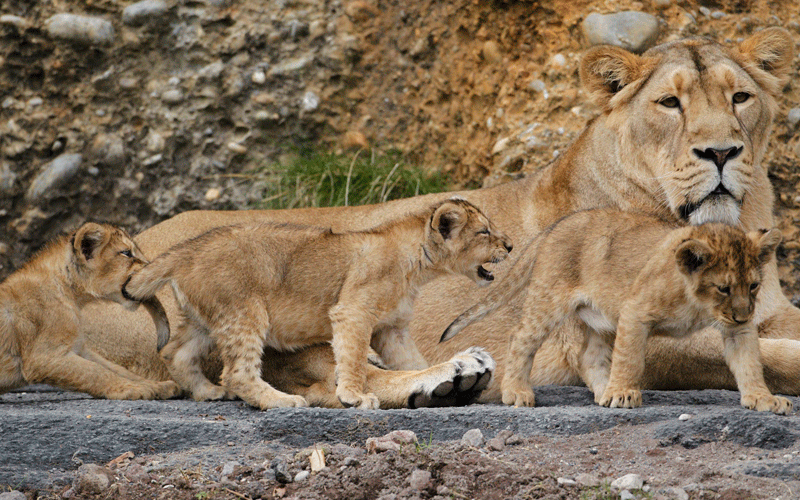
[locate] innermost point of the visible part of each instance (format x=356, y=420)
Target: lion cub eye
x=724, y=290
x=483, y=231
x=754, y=286
x=127, y=253
x=670, y=102
x=740, y=97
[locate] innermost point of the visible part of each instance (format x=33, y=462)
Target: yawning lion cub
x=287, y=286
x=635, y=275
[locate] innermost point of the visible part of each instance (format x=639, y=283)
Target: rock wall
x=131, y=112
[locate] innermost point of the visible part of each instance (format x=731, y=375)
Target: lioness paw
x=131, y=392
x=211, y=392
x=282, y=401
x=621, y=398
x=767, y=402
x=457, y=382
x=353, y=399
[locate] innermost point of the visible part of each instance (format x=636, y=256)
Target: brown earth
x=443, y=82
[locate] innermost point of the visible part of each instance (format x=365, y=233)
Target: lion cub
x=39, y=313
x=636, y=276
x=242, y=287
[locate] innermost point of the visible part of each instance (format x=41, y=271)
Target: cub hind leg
x=240, y=340
x=184, y=355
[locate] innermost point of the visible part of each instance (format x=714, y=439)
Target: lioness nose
x=718, y=156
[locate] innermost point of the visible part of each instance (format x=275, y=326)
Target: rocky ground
x=679, y=445
x=142, y=110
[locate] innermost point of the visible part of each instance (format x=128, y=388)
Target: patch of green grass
x=314, y=179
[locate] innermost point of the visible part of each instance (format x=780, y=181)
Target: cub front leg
x=744, y=359
x=352, y=330
x=627, y=365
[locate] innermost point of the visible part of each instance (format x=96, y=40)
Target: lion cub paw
x=767, y=402
x=519, y=397
x=131, y=392
x=283, y=401
x=353, y=399
x=211, y=392
x=167, y=390
x=621, y=398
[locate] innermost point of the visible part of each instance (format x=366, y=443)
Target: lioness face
x=106, y=257
x=471, y=242
x=725, y=268
x=693, y=118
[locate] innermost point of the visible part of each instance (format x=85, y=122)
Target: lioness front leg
x=744, y=360
x=627, y=365
x=352, y=330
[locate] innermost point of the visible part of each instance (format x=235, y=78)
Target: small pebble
x=684, y=416
x=473, y=437
x=628, y=482
x=419, y=479
x=301, y=476
x=82, y=29
x=565, y=481
x=259, y=77
x=237, y=148
x=172, y=96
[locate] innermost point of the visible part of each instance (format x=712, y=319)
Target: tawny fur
x=628, y=277
x=39, y=313
x=244, y=287
x=636, y=155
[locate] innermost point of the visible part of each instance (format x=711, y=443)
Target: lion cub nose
x=508, y=246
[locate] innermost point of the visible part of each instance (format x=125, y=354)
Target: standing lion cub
x=242, y=287
x=635, y=275
x=39, y=313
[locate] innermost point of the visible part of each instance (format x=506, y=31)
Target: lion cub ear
x=692, y=256
x=448, y=219
x=767, y=57
x=607, y=70
x=89, y=238
x=767, y=242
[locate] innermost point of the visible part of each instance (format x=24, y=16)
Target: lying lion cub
x=636, y=275
x=39, y=310
x=287, y=286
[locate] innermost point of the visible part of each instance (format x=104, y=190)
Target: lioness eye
x=126, y=253
x=724, y=290
x=754, y=287
x=670, y=102
x=483, y=231
x=740, y=97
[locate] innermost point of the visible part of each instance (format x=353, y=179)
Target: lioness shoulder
x=247, y=286
x=39, y=308
x=633, y=276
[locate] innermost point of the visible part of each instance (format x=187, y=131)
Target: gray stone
x=172, y=96
x=281, y=471
x=143, y=12
x=628, y=482
x=13, y=495
x=419, y=479
x=793, y=117
x=675, y=493
x=301, y=476
x=7, y=179
x=291, y=66
x=310, y=101
x=634, y=31
x=587, y=480
x=92, y=479
x=54, y=174
x=15, y=21
x=109, y=150
x=473, y=437
x=626, y=495
x=228, y=468
x=81, y=29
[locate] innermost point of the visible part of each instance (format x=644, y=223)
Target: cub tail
x=142, y=287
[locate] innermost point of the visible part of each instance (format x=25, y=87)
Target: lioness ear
x=88, y=239
x=448, y=219
x=767, y=242
x=767, y=57
x=692, y=255
x=606, y=70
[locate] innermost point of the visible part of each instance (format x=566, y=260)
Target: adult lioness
x=681, y=135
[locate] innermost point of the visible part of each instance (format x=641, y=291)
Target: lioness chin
x=246, y=286
x=626, y=277
x=39, y=306
x=681, y=134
